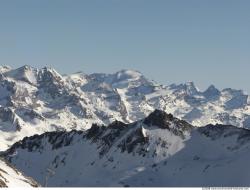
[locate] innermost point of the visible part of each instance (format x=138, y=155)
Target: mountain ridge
x=159, y=150
x=34, y=101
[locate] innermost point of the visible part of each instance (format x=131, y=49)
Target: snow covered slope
x=159, y=150
x=11, y=177
x=34, y=101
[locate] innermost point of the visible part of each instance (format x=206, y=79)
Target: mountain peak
x=4, y=68
x=25, y=73
x=190, y=88
x=159, y=118
x=50, y=73
x=50, y=69
x=127, y=74
x=211, y=91
x=26, y=67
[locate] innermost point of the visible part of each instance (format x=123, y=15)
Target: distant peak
x=128, y=70
x=51, y=71
x=190, y=88
x=127, y=74
x=25, y=73
x=5, y=66
x=190, y=83
x=234, y=92
x=47, y=68
x=4, y=69
x=211, y=87
x=211, y=91
x=26, y=67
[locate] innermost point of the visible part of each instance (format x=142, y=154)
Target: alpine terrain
x=159, y=150
x=34, y=101
x=120, y=129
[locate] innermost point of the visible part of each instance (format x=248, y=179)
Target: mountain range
x=137, y=131
x=34, y=101
x=158, y=151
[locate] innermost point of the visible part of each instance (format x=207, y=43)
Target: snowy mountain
x=159, y=150
x=11, y=177
x=34, y=101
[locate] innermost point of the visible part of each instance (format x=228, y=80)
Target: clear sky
x=170, y=41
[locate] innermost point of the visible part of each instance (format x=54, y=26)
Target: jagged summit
x=191, y=88
x=159, y=118
x=188, y=88
x=211, y=92
x=50, y=73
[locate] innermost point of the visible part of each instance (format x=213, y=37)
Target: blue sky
x=170, y=41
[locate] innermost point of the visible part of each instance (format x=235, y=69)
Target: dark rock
x=159, y=118
x=2, y=183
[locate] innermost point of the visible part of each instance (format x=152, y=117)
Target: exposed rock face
x=167, y=121
x=135, y=139
x=159, y=118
